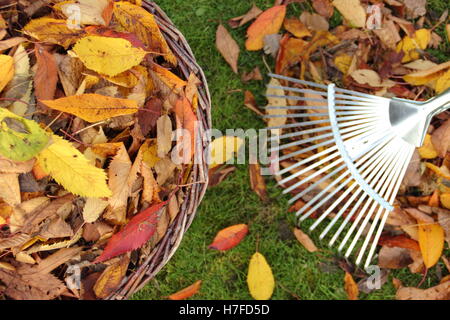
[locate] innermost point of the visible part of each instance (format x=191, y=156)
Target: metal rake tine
x=307, y=83
x=298, y=90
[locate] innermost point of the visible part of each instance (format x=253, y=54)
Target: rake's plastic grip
x=343, y=151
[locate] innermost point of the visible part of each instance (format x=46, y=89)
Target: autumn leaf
x=90, y=12
x=431, y=241
x=305, y=240
x=186, y=119
x=111, y=278
x=134, y=235
x=228, y=47
x=52, y=30
x=269, y=22
x=323, y=7
x=427, y=150
x=229, y=237
x=351, y=287
x=46, y=77
x=93, y=107
x=139, y=21
x=439, y=292
x=443, y=82
x=7, y=70
x=169, y=78
x=187, y=292
x=409, y=45
x=109, y=56
x=253, y=13
x=72, y=170
x=440, y=139
x=93, y=208
x=257, y=182
x=297, y=28
x=427, y=75
x=21, y=138
x=223, y=149
x=120, y=182
x=400, y=241
x=260, y=278
x=108, y=32
x=353, y=12
x=276, y=102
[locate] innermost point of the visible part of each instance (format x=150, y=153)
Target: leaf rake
x=354, y=151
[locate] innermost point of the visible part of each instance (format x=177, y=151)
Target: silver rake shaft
x=349, y=156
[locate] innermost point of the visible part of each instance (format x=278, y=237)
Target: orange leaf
x=187, y=292
x=350, y=287
x=297, y=28
x=170, y=79
x=431, y=241
x=257, y=182
x=229, y=237
x=305, y=240
x=434, y=199
x=399, y=242
x=186, y=119
x=269, y=22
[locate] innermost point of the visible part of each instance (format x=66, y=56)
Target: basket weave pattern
x=196, y=189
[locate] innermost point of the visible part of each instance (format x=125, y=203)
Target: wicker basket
x=167, y=246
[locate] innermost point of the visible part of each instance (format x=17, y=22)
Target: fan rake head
x=342, y=157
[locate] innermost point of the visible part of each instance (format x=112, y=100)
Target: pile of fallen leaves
x=381, y=49
x=88, y=107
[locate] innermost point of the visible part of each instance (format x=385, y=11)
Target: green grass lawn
x=297, y=272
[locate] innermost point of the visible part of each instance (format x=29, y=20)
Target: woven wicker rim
x=167, y=246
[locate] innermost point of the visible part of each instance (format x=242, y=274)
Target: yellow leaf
x=343, y=62
x=53, y=31
x=447, y=28
x=72, y=170
x=139, y=21
x=443, y=83
x=6, y=71
x=427, y=75
x=353, y=12
x=90, y=10
x=445, y=200
x=351, y=287
x=111, y=278
x=409, y=46
x=223, y=149
x=260, y=279
x=427, y=151
x=170, y=79
x=106, y=55
x=431, y=242
x=93, y=107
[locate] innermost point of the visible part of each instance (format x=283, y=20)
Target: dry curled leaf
x=305, y=240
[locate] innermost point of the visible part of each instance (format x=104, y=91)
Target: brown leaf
x=388, y=34
x=305, y=240
x=228, y=47
x=257, y=182
x=296, y=27
x=415, y=8
x=10, y=190
x=394, y=258
x=351, y=287
x=249, y=16
x=148, y=116
x=219, y=174
x=314, y=21
x=186, y=119
x=439, y=292
x=323, y=7
x=10, y=43
x=441, y=138
x=31, y=287
x=164, y=135
x=444, y=221
x=56, y=228
x=255, y=74
x=46, y=77
x=250, y=102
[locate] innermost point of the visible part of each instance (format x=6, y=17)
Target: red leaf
x=399, y=242
x=107, y=32
x=149, y=115
x=135, y=234
x=229, y=237
x=46, y=76
x=186, y=119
